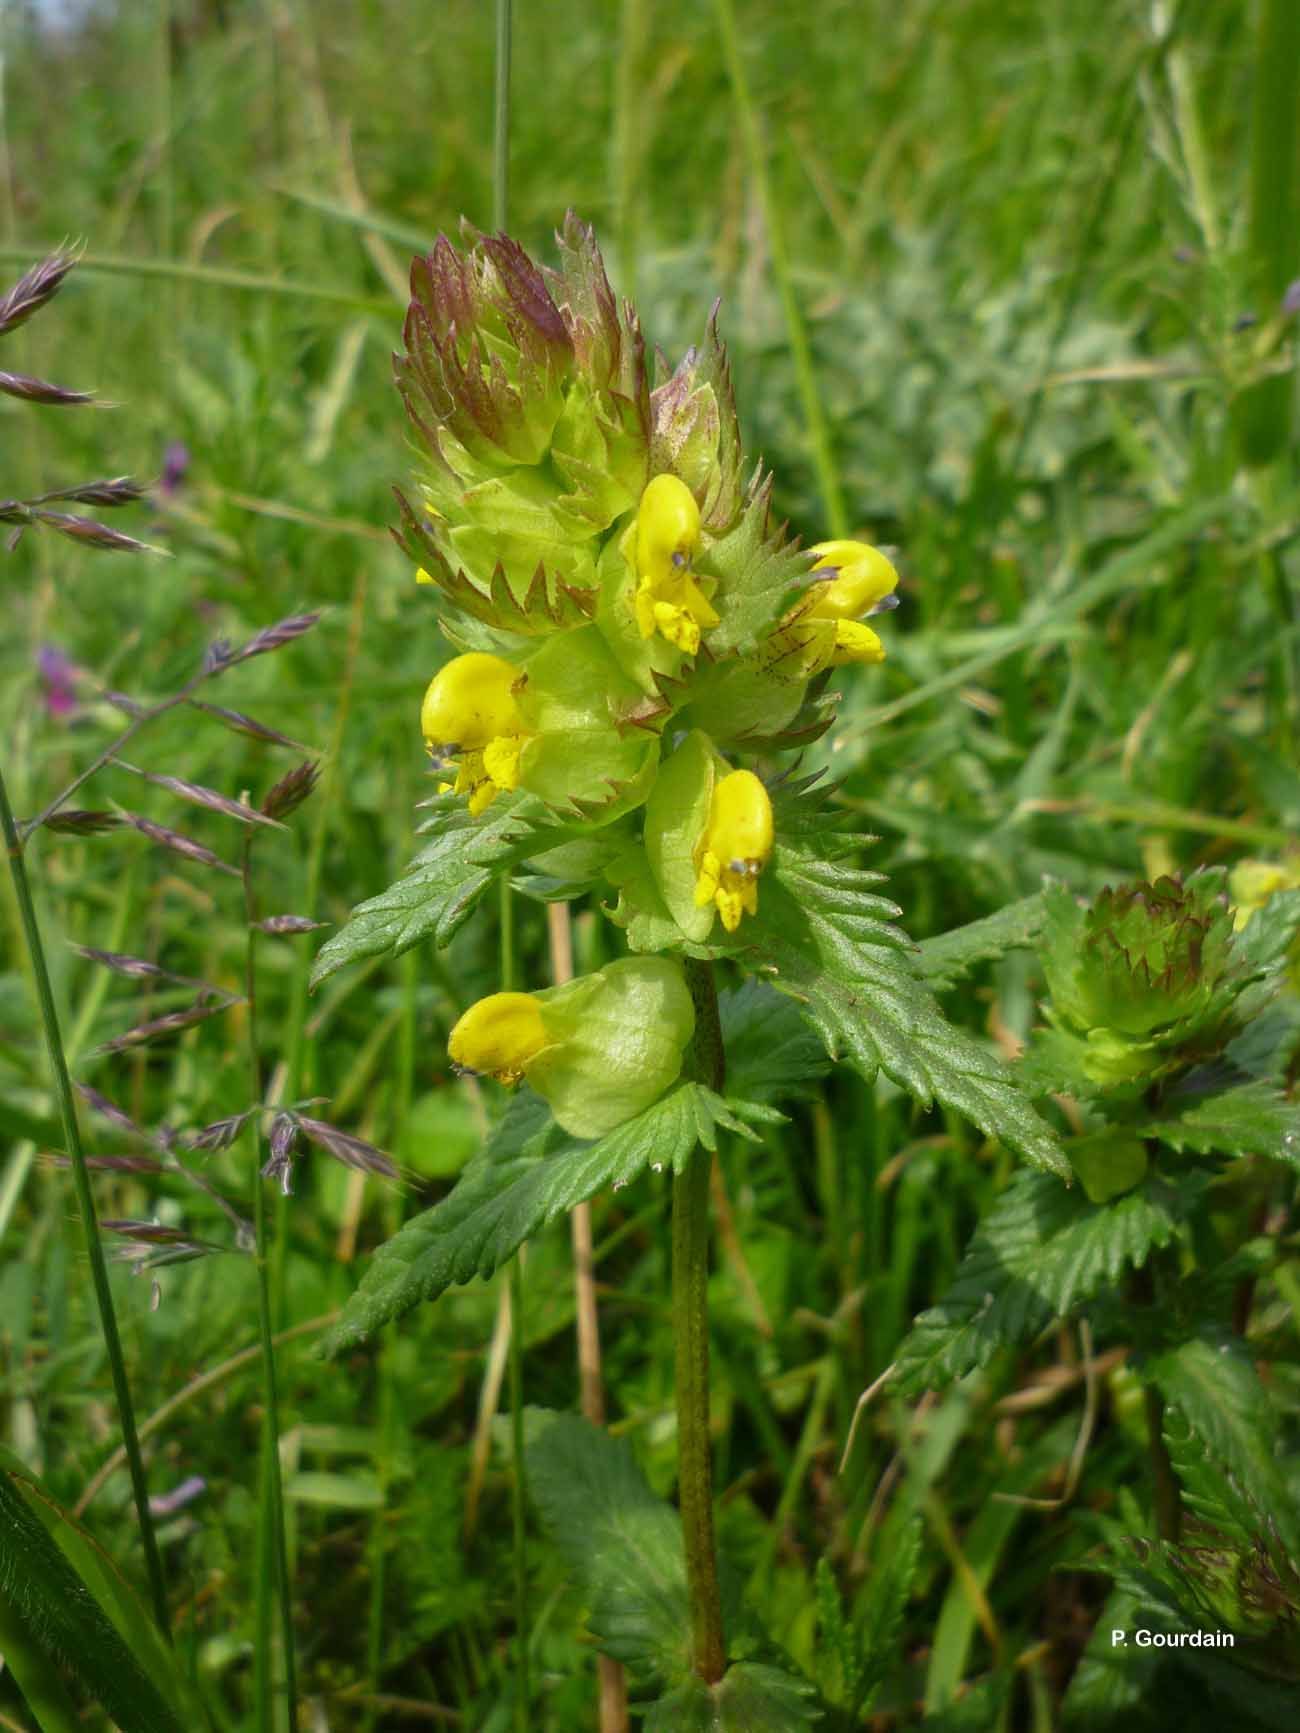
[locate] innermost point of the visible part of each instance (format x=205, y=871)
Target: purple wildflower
x=58, y=681
x=176, y=462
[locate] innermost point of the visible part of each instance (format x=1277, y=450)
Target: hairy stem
x=272, y=1550
x=1168, y=1499
x=1166, y=1494
x=86, y=1208
x=691, y=1346
x=611, y=1685
x=515, y=1377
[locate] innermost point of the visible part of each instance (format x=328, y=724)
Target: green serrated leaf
x=1208, y=1493
x=750, y=1698
x=1213, y=1384
x=825, y=934
x=1111, y=1688
x=772, y=1055
x=1255, y=1119
x=882, y=1603
x=624, y=1543
x=1192, y=1589
x=946, y=958
x=1040, y=1251
x=438, y=890
x=61, y=1620
x=839, y=1652
x=509, y=1193
x=1266, y=939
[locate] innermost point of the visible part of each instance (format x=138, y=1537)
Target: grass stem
x=818, y=428
x=86, y=1206
x=272, y=1549
x=501, y=118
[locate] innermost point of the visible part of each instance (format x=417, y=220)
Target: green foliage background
x=1017, y=235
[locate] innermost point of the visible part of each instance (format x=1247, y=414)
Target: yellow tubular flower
x=665, y=536
x=825, y=623
x=735, y=847
x=498, y=1036
x=470, y=720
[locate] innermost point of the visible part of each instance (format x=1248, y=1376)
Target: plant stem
x=515, y=1373
x=500, y=217
x=629, y=143
x=612, y=1687
x=501, y=119
x=272, y=1550
x=86, y=1207
x=1168, y=1501
x=691, y=1350
x=1166, y=1495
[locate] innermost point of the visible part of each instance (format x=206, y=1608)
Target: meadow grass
x=984, y=271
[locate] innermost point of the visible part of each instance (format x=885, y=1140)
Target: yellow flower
x=599, y=1048
x=824, y=628
x=499, y=1037
x=470, y=720
x=660, y=546
x=735, y=847
x=863, y=578
x=1252, y=882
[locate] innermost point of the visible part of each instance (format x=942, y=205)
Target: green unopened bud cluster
x=627, y=619
x=1145, y=979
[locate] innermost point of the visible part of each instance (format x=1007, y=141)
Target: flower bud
x=591, y=747
x=470, y=719
x=528, y=392
x=600, y=1049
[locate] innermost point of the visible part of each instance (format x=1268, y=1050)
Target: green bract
x=591, y=745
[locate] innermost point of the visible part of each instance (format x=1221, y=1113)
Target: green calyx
x=600, y=1049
